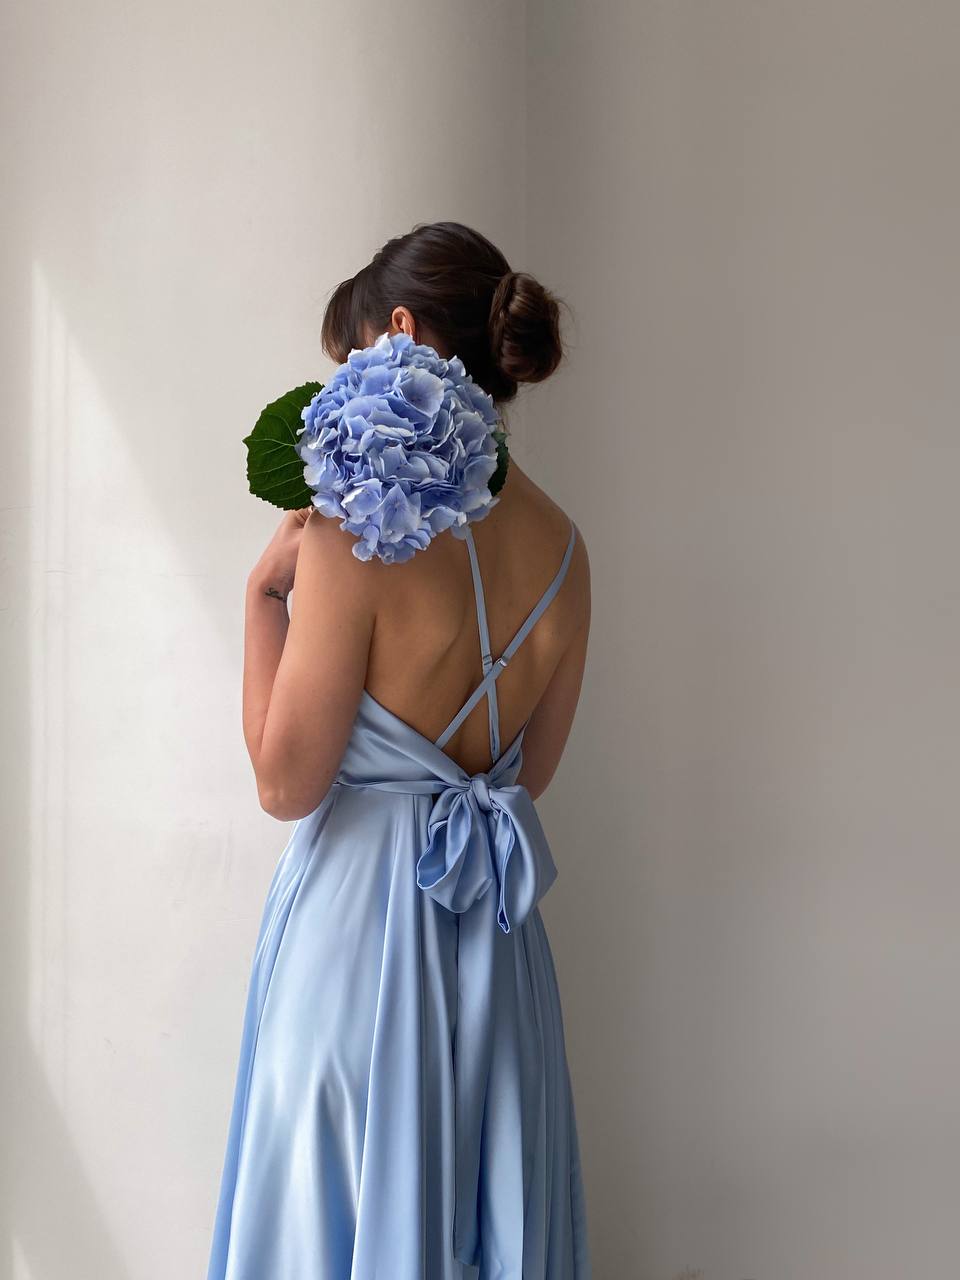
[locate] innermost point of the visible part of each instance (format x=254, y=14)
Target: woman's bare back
x=425, y=658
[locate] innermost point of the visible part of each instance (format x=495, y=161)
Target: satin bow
x=488, y=860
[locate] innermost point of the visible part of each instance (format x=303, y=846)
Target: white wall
x=753, y=210
x=183, y=188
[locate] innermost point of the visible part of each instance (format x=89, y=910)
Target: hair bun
x=524, y=325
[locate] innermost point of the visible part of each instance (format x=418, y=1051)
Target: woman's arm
x=546, y=735
x=304, y=672
x=264, y=632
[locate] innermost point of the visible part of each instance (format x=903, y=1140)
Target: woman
x=403, y=1107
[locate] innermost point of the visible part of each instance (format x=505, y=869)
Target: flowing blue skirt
x=403, y=1106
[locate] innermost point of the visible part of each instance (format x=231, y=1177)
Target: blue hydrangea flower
x=399, y=446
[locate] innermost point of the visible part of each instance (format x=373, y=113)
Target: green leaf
x=274, y=468
x=496, y=481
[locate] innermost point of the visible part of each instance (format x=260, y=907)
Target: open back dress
x=403, y=1105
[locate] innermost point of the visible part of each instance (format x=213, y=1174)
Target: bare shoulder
x=577, y=585
x=580, y=571
x=326, y=563
x=546, y=515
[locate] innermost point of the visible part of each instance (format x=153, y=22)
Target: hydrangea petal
x=399, y=446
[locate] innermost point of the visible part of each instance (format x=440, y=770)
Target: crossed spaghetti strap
x=493, y=668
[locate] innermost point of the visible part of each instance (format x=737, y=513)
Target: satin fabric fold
x=455, y=1038
x=488, y=861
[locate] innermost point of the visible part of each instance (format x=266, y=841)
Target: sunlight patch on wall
x=128, y=687
x=50, y=394
x=19, y=1270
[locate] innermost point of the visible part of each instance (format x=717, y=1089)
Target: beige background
x=753, y=209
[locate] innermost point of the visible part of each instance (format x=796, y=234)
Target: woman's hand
x=274, y=571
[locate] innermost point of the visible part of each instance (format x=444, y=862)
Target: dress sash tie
x=487, y=860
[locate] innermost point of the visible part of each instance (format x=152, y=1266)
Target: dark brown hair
x=503, y=324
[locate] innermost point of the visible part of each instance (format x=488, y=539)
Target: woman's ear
x=401, y=320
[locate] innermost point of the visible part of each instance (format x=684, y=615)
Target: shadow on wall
x=51, y=1210
x=51, y=1199
x=104, y=603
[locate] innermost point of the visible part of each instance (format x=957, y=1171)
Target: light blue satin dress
x=403, y=1105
